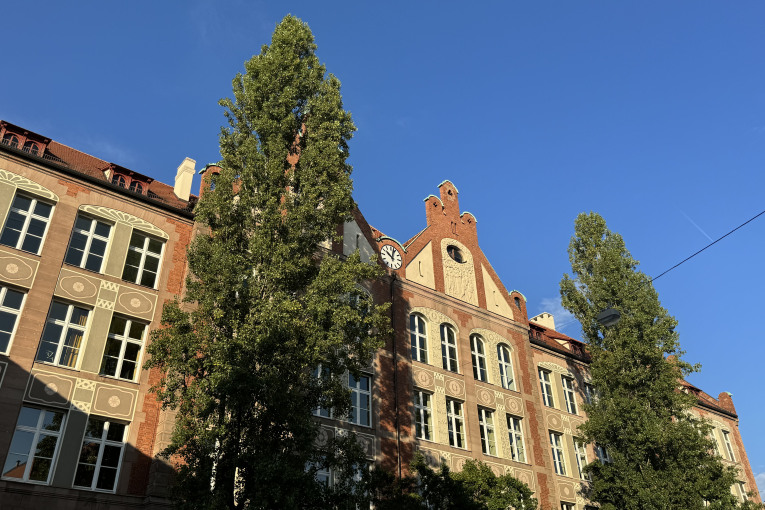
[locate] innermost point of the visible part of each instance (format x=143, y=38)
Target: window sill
x=113, y=378
x=99, y=272
x=22, y=251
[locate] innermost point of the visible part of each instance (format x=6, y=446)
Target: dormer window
x=119, y=180
x=31, y=148
x=11, y=139
x=136, y=186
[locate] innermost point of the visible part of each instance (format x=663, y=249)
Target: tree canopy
x=661, y=455
x=271, y=326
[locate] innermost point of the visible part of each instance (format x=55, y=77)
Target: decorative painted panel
x=49, y=389
x=454, y=387
x=526, y=476
x=123, y=217
x=114, y=401
x=554, y=367
x=423, y=378
x=27, y=185
x=555, y=421
x=77, y=286
x=17, y=269
x=567, y=491
x=485, y=397
x=135, y=303
x=514, y=405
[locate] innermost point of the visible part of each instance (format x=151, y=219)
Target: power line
x=689, y=257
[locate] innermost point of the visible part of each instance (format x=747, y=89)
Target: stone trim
x=123, y=217
x=27, y=185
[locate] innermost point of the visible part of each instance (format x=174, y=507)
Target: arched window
x=419, y=336
x=11, y=139
x=478, y=353
x=506, y=376
x=517, y=302
x=136, y=186
x=31, y=147
x=449, y=348
x=119, y=181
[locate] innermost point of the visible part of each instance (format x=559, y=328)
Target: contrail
x=695, y=225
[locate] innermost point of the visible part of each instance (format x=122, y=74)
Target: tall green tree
x=271, y=325
x=661, y=453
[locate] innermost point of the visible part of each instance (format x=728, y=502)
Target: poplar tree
x=271, y=323
x=661, y=455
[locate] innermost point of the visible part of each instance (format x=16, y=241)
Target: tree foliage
x=661, y=453
x=476, y=487
x=264, y=306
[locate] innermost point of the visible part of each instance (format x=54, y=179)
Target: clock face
x=390, y=256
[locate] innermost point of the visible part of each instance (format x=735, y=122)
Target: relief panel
x=17, y=269
x=113, y=401
x=135, y=303
x=423, y=378
x=78, y=287
x=526, y=476
x=554, y=421
x=123, y=217
x=567, y=491
x=49, y=389
x=25, y=184
x=459, y=278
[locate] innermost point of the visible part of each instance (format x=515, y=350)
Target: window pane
x=7, y=321
x=106, y=478
x=98, y=247
x=136, y=330
x=131, y=351
x=13, y=299
x=128, y=370
x=79, y=316
x=102, y=229
x=151, y=264
x=43, y=209
x=95, y=428
x=22, y=202
x=113, y=347
x=89, y=453
x=94, y=262
x=130, y=273
x=58, y=311
x=10, y=235
x=28, y=417
x=15, y=464
x=31, y=244
x=116, y=432
x=148, y=278
x=36, y=227
x=118, y=325
x=84, y=475
x=52, y=420
x=155, y=246
x=40, y=469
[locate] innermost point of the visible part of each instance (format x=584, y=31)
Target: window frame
x=423, y=415
x=28, y=215
x=102, y=442
x=590, y=395
x=478, y=357
x=89, y=236
x=356, y=393
x=448, y=362
x=569, y=394
x=11, y=311
x=320, y=372
x=728, y=445
x=488, y=436
x=418, y=336
x=37, y=431
x=602, y=453
x=505, y=366
x=144, y=253
x=545, y=383
x=580, y=452
x=515, y=436
x=558, y=453
x=455, y=419
x=124, y=340
x=66, y=326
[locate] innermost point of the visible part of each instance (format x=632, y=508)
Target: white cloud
x=563, y=319
x=760, y=479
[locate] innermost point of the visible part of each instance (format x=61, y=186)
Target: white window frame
x=715, y=443
x=545, y=383
x=728, y=445
x=28, y=216
x=11, y=311
x=486, y=425
x=455, y=418
x=418, y=333
x=602, y=453
x=558, y=456
x=124, y=340
x=356, y=393
x=449, y=355
x=66, y=326
x=102, y=443
x=580, y=449
x=505, y=361
x=89, y=234
x=144, y=253
x=323, y=412
x=37, y=430
x=478, y=355
x=590, y=395
x=517, y=443
x=742, y=491
x=423, y=415
x=569, y=395
x=567, y=506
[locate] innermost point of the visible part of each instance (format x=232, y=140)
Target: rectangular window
x=742, y=492
x=422, y=415
x=87, y=246
x=715, y=444
x=419, y=338
x=486, y=424
x=546, y=385
x=559, y=462
x=515, y=433
x=361, y=400
x=581, y=458
x=63, y=334
x=123, y=348
x=322, y=373
x=100, y=456
x=26, y=224
x=568, y=394
x=589, y=393
x=10, y=307
x=567, y=506
x=448, y=348
x=34, y=445
x=456, y=422
x=478, y=354
x=506, y=377
x=142, y=262
x=601, y=453
x=728, y=445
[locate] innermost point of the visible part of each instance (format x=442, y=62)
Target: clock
x=390, y=256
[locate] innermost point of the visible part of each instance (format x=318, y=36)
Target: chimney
x=545, y=319
x=726, y=402
x=183, y=179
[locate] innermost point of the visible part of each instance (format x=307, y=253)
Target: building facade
x=90, y=251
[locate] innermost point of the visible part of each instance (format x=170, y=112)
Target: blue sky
x=651, y=114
